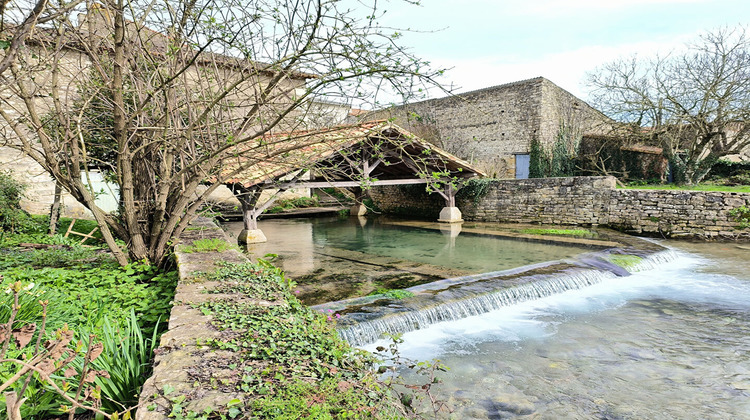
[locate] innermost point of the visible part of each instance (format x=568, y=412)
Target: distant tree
x=158, y=94
x=694, y=104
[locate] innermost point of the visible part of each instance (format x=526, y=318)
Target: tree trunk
x=54, y=213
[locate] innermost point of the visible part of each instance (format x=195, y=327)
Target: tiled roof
x=281, y=154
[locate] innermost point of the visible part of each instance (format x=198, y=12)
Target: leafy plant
x=127, y=359
x=476, y=188
x=290, y=360
x=742, y=216
x=416, y=400
x=47, y=365
x=12, y=217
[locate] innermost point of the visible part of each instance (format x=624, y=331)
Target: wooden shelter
x=355, y=156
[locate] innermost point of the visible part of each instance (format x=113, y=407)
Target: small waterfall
x=654, y=260
x=454, y=299
x=461, y=303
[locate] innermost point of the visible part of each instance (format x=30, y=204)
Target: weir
x=365, y=320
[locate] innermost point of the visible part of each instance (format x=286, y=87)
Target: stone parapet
x=181, y=349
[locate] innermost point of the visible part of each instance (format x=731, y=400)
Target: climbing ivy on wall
x=538, y=164
x=475, y=189
x=559, y=162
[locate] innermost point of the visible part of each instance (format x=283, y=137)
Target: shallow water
x=337, y=258
x=670, y=343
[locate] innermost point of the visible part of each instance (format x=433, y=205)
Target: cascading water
x=473, y=295
x=672, y=342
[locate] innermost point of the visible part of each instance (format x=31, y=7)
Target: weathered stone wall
x=488, y=127
x=180, y=350
x=583, y=201
x=698, y=214
x=575, y=200
x=73, y=68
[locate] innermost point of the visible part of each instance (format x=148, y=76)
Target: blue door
x=522, y=166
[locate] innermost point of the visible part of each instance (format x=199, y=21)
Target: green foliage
x=261, y=280
x=538, y=161
x=88, y=282
x=562, y=159
x=741, y=215
x=292, y=362
x=561, y=232
x=208, y=245
x=89, y=291
x=392, y=293
x=126, y=357
x=293, y=203
x=476, y=188
x=559, y=162
x=12, y=217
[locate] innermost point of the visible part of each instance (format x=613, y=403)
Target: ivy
x=476, y=188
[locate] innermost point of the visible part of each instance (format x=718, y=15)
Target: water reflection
x=333, y=259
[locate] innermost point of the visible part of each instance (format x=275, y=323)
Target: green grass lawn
x=699, y=187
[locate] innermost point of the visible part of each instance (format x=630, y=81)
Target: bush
x=293, y=203
x=12, y=217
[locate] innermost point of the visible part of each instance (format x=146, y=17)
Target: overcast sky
x=492, y=42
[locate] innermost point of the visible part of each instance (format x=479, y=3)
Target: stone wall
x=582, y=201
x=692, y=214
x=180, y=350
x=575, y=200
x=488, y=127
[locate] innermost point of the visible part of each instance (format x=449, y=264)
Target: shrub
x=12, y=217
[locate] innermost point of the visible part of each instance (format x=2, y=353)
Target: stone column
x=450, y=215
x=250, y=234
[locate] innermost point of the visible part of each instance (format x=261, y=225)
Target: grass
x=699, y=187
x=208, y=245
x=581, y=233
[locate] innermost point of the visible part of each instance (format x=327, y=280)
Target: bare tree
x=695, y=104
x=158, y=93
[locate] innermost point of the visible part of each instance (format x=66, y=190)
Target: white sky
x=491, y=42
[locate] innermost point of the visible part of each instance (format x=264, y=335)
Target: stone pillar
x=251, y=236
x=450, y=215
x=358, y=209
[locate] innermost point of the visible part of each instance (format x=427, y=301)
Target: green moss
x=561, y=232
x=392, y=293
x=627, y=262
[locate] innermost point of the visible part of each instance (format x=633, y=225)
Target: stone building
x=73, y=64
x=493, y=128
